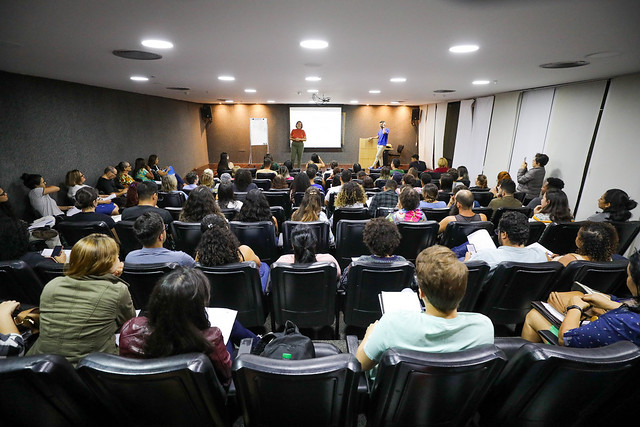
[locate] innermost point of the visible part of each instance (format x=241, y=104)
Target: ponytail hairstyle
x=619, y=205
x=30, y=180
x=304, y=244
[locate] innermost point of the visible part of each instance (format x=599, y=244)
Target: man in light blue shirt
x=150, y=231
x=383, y=135
x=442, y=280
x=513, y=233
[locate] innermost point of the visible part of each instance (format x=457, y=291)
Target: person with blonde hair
x=443, y=165
x=207, y=178
x=81, y=311
x=310, y=210
x=170, y=185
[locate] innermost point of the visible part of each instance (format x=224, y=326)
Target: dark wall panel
x=49, y=127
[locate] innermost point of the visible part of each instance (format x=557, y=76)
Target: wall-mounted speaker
x=205, y=112
x=415, y=115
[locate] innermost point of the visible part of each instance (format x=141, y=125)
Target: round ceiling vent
x=136, y=54
x=564, y=64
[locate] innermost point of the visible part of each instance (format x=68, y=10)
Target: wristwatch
x=574, y=306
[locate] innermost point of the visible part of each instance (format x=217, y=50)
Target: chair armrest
x=352, y=344
x=549, y=337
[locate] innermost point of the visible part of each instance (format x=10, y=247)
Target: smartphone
x=471, y=248
x=56, y=251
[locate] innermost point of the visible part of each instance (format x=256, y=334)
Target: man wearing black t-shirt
x=417, y=163
x=107, y=184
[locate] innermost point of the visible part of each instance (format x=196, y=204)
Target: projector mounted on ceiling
x=320, y=100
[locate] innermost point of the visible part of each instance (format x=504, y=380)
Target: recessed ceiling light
x=313, y=79
x=157, y=44
x=271, y=101
x=314, y=44
x=395, y=102
x=464, y=48
x=481, y=82
x=374, y=91
x=312, y=90
x=226, y=78
x=398, y=79
x=354, y=101
x=229, y=101
x=250, y=90
x=139, y=78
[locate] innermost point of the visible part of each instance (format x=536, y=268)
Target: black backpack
x=290, y=344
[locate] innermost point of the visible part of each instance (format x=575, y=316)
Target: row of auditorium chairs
x=306, y=293
x=509, y=383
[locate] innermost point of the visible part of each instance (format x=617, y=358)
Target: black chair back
x=520, y=195
x=384, y=212
x=627, y=232
x=175, y=390
x=175, y=200
x=73, y=231
x=318, y=391
x=318, y=228
x=304, y=294
x=47, y=271
x=19, y=282
x=495, y=219
x=240, y=195
x=436, y=214
x=447, y=387
x=278, y=213
x=348, y=213
x=128, y=240
x=230, y=214
x=186, y=235
x=478, y=272
x=381, y=183
x=416, y=236
x=142, y=278
x=265, y=175
x=606, y=277
x=444, y=196
x=482, y=197
x=435, y=175
x=237, y=286
x=365, y=281
x=297, y=198
x=45, y=390
x=279, y=198
x=560, y=237
x=545, y=385
x=175, y=212
x=513, y=286
x=263, y=184
x=349, y=243
x=331, y=204
x=259, y=236
x=535, y=231
x=456, y=232
x=488, y=212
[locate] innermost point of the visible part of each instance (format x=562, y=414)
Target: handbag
x=290, y=344
x=28, y=320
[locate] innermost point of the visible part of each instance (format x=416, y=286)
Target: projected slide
x=323, y=125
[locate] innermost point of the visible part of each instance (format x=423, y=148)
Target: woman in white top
x=39, y=196
x=75, y=181
x=226, y=197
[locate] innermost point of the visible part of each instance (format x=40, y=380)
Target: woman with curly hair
x=615, y=205
x=310, y=210
x=554, y=208
x=201, y=203
x=176, y=322
x=596, y=241
x=382, y=238
x=219, y=246
x=255, y=208
x=351, y=195
x=408, y=202
x=243, y=181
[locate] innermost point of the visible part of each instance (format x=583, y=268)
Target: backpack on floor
x=289, y=344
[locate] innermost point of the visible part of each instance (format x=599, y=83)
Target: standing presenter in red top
x=298, y=137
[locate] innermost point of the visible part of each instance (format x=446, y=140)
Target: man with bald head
x=464, y=202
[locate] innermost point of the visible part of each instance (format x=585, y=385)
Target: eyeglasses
x=4, y=193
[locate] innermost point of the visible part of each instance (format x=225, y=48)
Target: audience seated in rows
x=464, y=203
x=345, y=176
x=192, y=180
x=530, y=180
x=49, y=236
x=408, y=203
x=388, y=198
x=147, y=201
x=596, y=241
x=382, y=238
x=142, y=171
x=311, y=172
x=39, y=196
x=351, y=195
x=266, y=166
x=219, y=246
x=255, y=208
x=442, y=282
x=14, y=236
x=75, y=180
x=417, y=163
x=81, y=311
x=550, y=183
x=86, y=202
x=243, y=181
x=553, y=208
x=310, y=210
x=176, y=322
x=618, y=320
x=385, y=175
x=513, y=233
x=150, y=230
x=616, y=206
x=505, y=198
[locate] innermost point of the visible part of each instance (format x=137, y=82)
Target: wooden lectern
x=367, y=153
